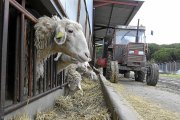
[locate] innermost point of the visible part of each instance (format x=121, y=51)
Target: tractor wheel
x=108, y=67
x=127, y=74
x=113, y=72
x=152, y=74
x=139, y=76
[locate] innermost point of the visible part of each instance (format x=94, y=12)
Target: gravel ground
x=166, y=95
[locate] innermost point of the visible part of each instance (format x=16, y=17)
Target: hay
x=50, y=115
x=88, y=105
x=23, y=116
x=64, y=103
x=147, y=109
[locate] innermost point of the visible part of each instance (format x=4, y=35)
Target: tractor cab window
x=126, y=36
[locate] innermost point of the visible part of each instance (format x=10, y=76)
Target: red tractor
x=126, y=52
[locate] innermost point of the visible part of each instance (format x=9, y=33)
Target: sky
x=161, y=16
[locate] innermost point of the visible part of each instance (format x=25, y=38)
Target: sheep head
x=70, y=39
x=54, y=35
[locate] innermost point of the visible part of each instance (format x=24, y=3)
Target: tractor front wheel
x=139, y=76
x=112, y=71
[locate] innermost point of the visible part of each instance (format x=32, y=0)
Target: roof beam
x=116, y=2
x=101, y=4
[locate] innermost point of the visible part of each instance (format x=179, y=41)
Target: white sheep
x=84, y=69
x=73, y=78
x=64, y=61
x=53, y=35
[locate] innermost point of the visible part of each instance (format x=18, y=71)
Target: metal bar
x=104, y=26
x=55, y=73
x=4, y=57
x=62, y=78
x=110, y=18
x=30, y=83
x=23, y=103
x=51, y=77
x=78, y=10
x=34, y=70
x=101, y=4
x=61, y=7
x=45, y=77
x=22, y=52
x=86, y=25
x=23, y=10
x=16, y=83
x=117, y=2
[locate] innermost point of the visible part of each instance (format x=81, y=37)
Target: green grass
x=170, y=75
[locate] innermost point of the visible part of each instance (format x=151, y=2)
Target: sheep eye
x=70, y=31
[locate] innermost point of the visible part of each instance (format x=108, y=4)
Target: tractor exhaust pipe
x=137, y=34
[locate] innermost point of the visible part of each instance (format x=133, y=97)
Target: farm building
x=18, y=55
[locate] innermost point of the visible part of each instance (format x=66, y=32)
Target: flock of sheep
x=66, y=39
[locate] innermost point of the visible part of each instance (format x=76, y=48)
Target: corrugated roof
x=110, y=13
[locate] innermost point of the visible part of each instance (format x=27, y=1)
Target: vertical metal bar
x=16, y=83
x=4, y=57
x=86, y=27
x=22, y=63
x=34, y=70
x=78, y=10
x=55, y=73
x=51, y=78
x=45, y=77
x=62, y=78
x=48, y=74
x=110, y=19
x=30, y=63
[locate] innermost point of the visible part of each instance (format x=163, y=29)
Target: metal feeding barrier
x=18, y=62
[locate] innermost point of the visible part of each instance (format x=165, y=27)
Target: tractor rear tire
x=152, y=74
x=127, y=74
x=139, y=76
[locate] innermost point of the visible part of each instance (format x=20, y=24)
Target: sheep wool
x=73, y=78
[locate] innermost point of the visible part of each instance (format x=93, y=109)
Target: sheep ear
x=60, y=38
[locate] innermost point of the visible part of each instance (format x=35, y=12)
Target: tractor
x=126, y=52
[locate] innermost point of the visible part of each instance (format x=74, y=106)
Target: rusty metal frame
x=60, y=6
x=23, y=10
x=16, y=83
x=4, y=56
x=19, y=105
x=20, y=59
x=100, y=3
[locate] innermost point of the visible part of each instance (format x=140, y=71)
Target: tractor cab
x=129, y=46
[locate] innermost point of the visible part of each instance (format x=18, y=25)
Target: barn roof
x=110, y=13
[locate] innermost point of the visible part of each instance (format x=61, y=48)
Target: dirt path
x=152, y=103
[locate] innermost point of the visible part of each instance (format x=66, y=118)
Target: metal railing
x=170, y=67
x=18, y=61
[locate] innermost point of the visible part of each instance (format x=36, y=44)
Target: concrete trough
x=120, y=109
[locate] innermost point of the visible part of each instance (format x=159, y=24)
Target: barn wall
x=18, y=71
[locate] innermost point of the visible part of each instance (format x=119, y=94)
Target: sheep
x=84, y=69
x=53, y=35
x=64, y=61
x=73, y=78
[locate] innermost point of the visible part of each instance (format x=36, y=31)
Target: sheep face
x=72, y=40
